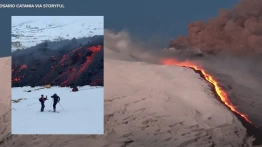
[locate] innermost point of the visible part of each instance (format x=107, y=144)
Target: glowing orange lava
x=221, y=93
x=76, y=73
x=22, y=67
x=16, y=79
x=95, y=48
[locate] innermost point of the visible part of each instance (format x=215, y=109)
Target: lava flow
x=221, y=93
x=73, y=64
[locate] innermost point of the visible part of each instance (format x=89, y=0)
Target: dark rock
x=63, y=66
x=75, y=89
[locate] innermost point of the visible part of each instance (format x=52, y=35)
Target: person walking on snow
x=42, y=101
x=56, y=100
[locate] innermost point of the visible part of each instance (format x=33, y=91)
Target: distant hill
x=28, y=31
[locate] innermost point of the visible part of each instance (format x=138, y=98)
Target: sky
x=148, y=21
x=161, y=21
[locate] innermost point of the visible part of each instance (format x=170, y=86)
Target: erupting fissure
x=16, y=79
x=73, y=74
x=62, y=69
x=221, y=93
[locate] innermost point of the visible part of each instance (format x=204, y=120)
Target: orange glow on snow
x=221, y=93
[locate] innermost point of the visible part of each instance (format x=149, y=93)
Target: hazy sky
x=155, y=21
x=166, y=19
x=57, y=19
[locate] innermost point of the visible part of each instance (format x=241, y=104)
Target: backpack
x=40, y=100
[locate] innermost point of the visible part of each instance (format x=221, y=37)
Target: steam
x=232, y=32
x=238, y=31
x=121, y=43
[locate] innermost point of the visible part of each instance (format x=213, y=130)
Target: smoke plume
x=119, y=45
x=237, y=31
x=228, y=47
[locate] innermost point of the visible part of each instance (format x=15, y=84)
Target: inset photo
x=57, y=75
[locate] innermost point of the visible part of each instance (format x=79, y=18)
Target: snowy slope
x=32, y=30
x=83, y=111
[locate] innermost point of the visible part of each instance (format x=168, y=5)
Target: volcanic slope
x=156, y=105
x=73, y=64
x=29, y=31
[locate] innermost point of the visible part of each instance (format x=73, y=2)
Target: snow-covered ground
x=32, y=30
x=82, y=112
x=145, y=105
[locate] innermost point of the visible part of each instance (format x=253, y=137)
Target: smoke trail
x=237, y=31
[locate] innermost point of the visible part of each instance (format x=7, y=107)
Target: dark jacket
x=42, y=99
x=56, y=98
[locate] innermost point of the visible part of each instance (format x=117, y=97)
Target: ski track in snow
x=51, y=27
x=84, y=111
